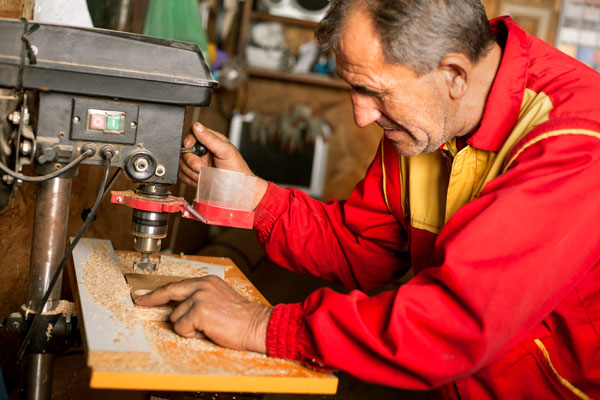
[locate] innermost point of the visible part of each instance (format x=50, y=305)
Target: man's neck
x=484, y=74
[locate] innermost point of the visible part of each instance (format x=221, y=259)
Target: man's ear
x=456, y=70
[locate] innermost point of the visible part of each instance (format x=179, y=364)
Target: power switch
x=113, y=123
x=97, y=121
x=105, y=122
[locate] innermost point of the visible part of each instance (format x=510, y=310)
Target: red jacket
x=505, y=248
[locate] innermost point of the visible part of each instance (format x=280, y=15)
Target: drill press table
x=125, y=352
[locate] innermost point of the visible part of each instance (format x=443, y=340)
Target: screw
x=76, y=119
x=8, y=179
x=26, y=148
x=56, y=167
x=14, y=117
x=186, y=214
x=119, y=199
x=230, y=215
x=160, y=170
x=133, y=124
x=61, y=135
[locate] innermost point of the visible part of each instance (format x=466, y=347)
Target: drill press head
x=148, y=227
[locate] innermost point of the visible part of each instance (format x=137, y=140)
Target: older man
x=486, y=184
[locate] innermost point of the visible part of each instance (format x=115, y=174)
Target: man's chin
x=408, y=150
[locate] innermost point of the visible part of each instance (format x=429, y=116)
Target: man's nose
x=365, y=110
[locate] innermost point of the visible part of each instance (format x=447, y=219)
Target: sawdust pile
x=106, y=286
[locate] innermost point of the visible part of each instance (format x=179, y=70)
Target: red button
x=97, y=121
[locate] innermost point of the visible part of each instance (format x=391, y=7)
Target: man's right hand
x=222, y=154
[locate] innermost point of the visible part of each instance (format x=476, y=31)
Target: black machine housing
x=83, y=86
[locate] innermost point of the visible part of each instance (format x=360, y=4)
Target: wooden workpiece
x=129, y=352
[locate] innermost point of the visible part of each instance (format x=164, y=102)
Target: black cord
x=87, y=211
x=61, y=266
x=71, y=165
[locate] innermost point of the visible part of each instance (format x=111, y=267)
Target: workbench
x=125, y=351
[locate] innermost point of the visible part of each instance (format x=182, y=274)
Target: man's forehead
x=358, y=40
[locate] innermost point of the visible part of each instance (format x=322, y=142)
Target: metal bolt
x=140, y=164
x=230, y=215
x=160, y=170
x=119, y=199
x=186, y=214
x=133, y=124
x=76, y=119
x=14, y=117
x=26, y=148
x=61, y=135
x=56, y=167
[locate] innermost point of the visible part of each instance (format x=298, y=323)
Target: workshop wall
x=16, y=8
x=351, y=149
x=537, y=17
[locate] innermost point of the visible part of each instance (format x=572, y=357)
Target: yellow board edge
x=212, y=383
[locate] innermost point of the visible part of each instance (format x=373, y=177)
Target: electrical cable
x=87, y=211
x=57, y=273
x=69, y=166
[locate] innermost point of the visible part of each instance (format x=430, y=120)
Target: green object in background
x=177, y=20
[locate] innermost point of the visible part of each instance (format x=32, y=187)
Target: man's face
x=413, y=111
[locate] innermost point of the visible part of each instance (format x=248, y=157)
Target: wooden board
x=112, y=334
x=177, y=363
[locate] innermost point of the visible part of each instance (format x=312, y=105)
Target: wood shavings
x=104, y=282
x=243, y=288
x=201, y=356
x=65, y=308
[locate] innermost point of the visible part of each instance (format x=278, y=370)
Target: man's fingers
x=181, y=309
x=186, y=172
x=201, y=132
x=171, y=292
x=187, y=325
x=189, y=140
x=214, y=141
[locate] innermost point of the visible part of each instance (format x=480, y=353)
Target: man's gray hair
x=415, y=33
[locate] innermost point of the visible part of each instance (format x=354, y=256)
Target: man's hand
x=222, y=154
x=211, y=308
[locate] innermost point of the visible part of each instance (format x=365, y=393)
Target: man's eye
x=365, y=91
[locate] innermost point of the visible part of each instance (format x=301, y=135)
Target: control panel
x=105, y=122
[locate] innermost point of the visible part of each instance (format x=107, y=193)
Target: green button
x=113, y=123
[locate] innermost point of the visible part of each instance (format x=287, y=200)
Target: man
x=486, y=184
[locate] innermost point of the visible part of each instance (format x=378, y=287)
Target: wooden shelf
x=312, y=79
x=269, y=17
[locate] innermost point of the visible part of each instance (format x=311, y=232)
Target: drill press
x=75, y=95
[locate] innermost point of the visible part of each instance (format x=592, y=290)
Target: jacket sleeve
x=505, y=261
x=357, y=242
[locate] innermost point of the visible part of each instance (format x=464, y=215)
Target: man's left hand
x=211, y=308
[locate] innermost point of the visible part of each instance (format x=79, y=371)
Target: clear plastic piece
x=225, y=197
